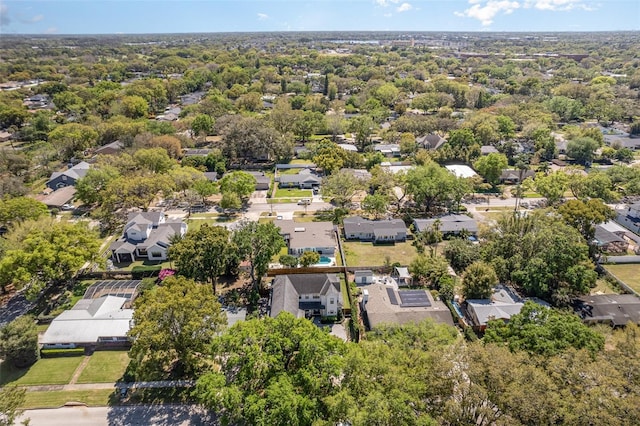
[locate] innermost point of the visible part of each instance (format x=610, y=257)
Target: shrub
x=140, y=272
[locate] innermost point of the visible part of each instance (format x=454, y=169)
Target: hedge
x=140, y=272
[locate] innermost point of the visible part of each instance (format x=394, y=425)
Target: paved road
x=17, y=306
x=161, y=415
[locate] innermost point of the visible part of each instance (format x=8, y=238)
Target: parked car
x=304, y=202
x=68, y=207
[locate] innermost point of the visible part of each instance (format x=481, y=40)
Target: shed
x=364, y=277
x=402, y=275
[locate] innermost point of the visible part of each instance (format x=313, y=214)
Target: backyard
x=627, y=273
x=369, y=254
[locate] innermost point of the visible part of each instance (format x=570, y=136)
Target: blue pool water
x=324, y=260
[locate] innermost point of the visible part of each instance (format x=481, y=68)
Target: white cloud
x=404, y=7
x=51, y=30
x=386, y=3
x=489, y=10
x=557, y=5
x=388, y=15
x=262, y=16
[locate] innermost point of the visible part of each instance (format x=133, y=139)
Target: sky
x=195, y=16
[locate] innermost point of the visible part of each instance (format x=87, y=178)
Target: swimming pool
x=324, y=260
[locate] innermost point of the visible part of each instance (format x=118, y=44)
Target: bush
x=53, y=353
x=140, y=272
x=329, y=319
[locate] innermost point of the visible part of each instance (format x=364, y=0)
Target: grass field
x=293, y=192
x=368, y=254
x=53, y=399
x=104, y=367
x=628, y=274
x=47, y=371
x=603, y=286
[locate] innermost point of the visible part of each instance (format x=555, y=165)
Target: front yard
x=46, y=371
x=369, y=254
x=292, y=193
x=105, y=367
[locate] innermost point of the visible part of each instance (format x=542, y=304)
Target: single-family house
x=502, y=305
x=382, y=304
x=112, y=148
x=59, y=197
x=448, y=225
x=147, y=235
x=630, y=217
x=379, y=231
x=306, y=295
x=309, y=236
x=68, y=177
x=362, y=174
x=512, y=176
x=610, y=242
x=388, y=150
x=305, y=179
x=488, y=149
x=613, y=309
x=262, y=181
x=348, y=147
x=461, y=171
x=431, y=141
x=104, y=321
x=622, y=141
x=5, y=136
x=41, y=100
x=363, y=277
x=200, y=152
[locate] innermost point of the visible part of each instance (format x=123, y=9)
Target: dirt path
x=76, y=374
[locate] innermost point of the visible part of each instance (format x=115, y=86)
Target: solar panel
x=392, y=296
x=119, y=288
x=414, y=299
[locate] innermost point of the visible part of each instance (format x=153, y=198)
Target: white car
x=68, y=207
x=304, y=202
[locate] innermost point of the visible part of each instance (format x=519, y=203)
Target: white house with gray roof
x=451, y=224
x=147, y=235
x=309, y=236
x=102, y=321
x=306, y=295
x=380, y=231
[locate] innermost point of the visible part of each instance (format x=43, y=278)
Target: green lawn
x=195, y=224
x=130, y=266
x=626, y=273
x=47, y=371
x=105, y=367
x=54, y=399
x=344, y=289
x=293, y=192
x=368, y=254
x=603, y=286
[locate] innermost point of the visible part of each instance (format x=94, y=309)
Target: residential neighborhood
x=318, y=228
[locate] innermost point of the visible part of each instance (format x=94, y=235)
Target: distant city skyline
x=204, y=16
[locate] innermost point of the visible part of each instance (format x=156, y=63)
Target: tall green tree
x=11, y=399
x=282, y=377
x=240, y=183
x=48, y=251
x=341, y=187
x=491, y=166
x=19, y=209
x=19, y=342
x=544, y=331
x=257, y=243
x=174, y=327
x=478, y=281
x=309, y=258
x=203, y=254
